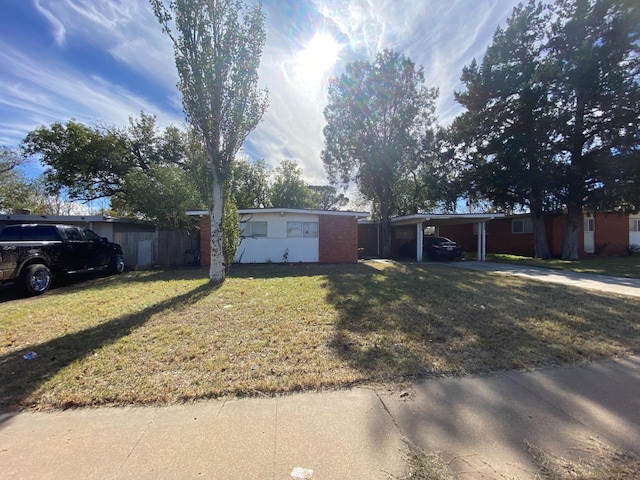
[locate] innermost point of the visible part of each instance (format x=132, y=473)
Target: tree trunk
x=573, y=220
x=540, y=241
x=217, y=266
x=385, y=229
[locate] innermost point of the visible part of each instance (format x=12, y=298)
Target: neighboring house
x=602, y=234
x=143, y=245
x=288, y=235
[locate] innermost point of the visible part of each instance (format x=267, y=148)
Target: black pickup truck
x=32, y=254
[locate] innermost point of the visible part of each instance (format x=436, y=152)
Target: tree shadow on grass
x=411, y=321
x=102, y=280
x=283, y=270
x=19, y=377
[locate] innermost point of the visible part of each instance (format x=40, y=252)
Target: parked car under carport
x=433, y=248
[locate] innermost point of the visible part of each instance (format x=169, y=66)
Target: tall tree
x=161, y=193
x=15, y=188
x=251, y=183
x=142, y=171
x=89, y=162
x=9, y=160
x=377, y=114
x=288, y=189
x=217, y=46
x=594, y=77
x=504, y=133
x=326, y=197
x=417, y=189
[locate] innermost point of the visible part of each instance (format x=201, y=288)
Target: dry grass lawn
x=165, y=336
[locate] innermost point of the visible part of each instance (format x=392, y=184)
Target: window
x=40, y=233
x=71, y=234
x=589, y=225
x=302, y=229
x=253, y=229
x=310, y=229
x=521, y=226
x=634, y=224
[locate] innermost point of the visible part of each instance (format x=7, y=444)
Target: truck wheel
x=116, y=264
x=36, y=279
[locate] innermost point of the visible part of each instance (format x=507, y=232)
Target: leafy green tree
x=504, y=132
x=198, y=168
x=217, y=47
x=326, y=197
x=418, y=189
x=9, y=160
x=594, y=86
x=231, y=229
x=161, y=194
x=15, y=189
x=288, y=190
x=377, y=115
x=144, y=172
x=251, y=184
x=551, y=114
x=151, y=148
x=89, y=162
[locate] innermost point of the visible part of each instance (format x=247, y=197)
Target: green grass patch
x=626, y=267
x=167, y=336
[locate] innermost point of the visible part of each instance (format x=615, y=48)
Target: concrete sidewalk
x=483, y=426
x=602, y=283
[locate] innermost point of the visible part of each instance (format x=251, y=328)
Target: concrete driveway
x=602, y=283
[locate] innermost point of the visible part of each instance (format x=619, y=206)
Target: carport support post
x=482, y=242
x=419, y=242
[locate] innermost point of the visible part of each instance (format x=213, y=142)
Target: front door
x=589, y=235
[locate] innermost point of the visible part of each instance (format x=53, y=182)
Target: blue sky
x=102, y=61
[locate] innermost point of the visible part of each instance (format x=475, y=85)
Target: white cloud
x=41, y=92
x=59, y=32
x=46, y=85
x=440, y=36
x=126, y=29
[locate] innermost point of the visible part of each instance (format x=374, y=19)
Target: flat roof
x=254, y=211
x=24, y=218
x=445, y=219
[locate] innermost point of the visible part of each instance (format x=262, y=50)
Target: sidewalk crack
x=386, y=409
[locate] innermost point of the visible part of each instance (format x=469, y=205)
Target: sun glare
x=317, y=58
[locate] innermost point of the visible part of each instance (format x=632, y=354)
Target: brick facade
x=205, y=243
x=611, y=236
x=338, y=237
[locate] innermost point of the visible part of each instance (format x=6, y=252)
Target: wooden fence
x=144, y=249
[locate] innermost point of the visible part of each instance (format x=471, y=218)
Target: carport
x=436, y=220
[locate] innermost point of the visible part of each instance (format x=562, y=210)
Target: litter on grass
x=299, y=473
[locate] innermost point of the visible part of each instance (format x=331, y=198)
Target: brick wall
x=612, y=234
x=205, y=237
x=338, y=239
x=500, y=238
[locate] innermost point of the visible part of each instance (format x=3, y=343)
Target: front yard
x=165, y=336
